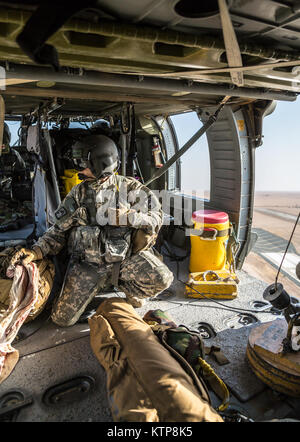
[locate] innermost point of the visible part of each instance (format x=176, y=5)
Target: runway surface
x=271, y=247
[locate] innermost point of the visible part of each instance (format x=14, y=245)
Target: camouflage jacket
x=89, y=204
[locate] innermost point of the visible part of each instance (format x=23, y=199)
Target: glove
x=26, y=256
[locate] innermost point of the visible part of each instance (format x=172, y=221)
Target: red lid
x=210, y=217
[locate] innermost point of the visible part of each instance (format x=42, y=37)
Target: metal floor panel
x=36, y=372
x=53, y=355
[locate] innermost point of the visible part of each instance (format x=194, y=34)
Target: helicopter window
x=14, y=127
x=195, y=163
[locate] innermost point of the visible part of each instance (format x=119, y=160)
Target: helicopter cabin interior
x=124, y=69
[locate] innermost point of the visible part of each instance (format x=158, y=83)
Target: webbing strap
x=208, y=233
x=218, y=386
x=209, y=375
x=116, y=273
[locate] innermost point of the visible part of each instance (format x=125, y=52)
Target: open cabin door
x=232, y=141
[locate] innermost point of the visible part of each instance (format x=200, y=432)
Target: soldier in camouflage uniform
x=109, y=223
x=11, y=161
x=13, y=214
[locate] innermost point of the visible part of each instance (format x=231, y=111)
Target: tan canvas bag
x=144, y=382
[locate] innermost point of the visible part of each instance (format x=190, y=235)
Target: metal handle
x=210, y=229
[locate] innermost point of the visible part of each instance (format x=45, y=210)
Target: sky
x=278, y=159
x=195, y=166
x=14, y=127
x=277, y=165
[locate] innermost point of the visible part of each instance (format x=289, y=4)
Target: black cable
x=287, y=247
x=176, y=258
x=241, y=310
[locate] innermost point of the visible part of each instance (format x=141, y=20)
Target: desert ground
x=280, y=203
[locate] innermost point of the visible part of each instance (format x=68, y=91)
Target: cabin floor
x=50, y=356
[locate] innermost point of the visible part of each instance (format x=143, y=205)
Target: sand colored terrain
x=287, y=200
x=283, y=202
x=256, y=266
x=277, y=226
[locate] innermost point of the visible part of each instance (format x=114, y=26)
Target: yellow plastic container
x=208, y=244
x=214, y=284
x=69, y=179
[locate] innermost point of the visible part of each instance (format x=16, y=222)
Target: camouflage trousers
x=142, y=275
